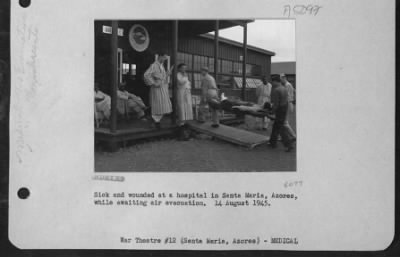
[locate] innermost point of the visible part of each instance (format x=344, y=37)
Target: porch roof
x=238, y=44
x=189, y=27
x=197, y=27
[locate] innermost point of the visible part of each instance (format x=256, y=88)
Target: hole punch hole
x=24, y=3
x=23, y=193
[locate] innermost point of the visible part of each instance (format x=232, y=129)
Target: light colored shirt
x=183, y=80
x=291, y=91
x=155, y=75
x=209, y=87
x=125, y=95
x=264, y=93
x=98, y=95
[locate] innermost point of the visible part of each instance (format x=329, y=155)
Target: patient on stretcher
x=242, y=107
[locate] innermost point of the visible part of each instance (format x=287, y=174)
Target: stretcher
x=230, y=134
x=244, y=108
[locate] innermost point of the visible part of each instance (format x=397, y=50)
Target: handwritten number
x=301, y=10
x=310, y=8
x=286, y=10
x=316, y=9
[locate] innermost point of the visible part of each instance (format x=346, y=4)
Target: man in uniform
x=263, y=93
x=209, y=96
x=280, y=101
x=291, y=100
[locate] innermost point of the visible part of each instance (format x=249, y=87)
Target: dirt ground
x=202, y=153
x=199, y=154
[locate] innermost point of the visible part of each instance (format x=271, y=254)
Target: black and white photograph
x=195, y=95
x=223, y=126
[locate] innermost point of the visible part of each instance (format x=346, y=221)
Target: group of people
x=156, y=77
x=128, y=103
x=279, y=94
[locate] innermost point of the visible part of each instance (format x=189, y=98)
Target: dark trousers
x=214, y=106
x=279, y=128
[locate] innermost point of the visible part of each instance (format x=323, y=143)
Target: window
x=125, y=68
x=211, y=64
x=120, y=32
x=180, y=57
x=197, y=80
x=250, y=83
x=256, y=71
x=226, y=66
x=251, y=69
x=237, y=68
x=186, y=59
x=248, y=68
x=197, y=62
x=133, y=69
x=108, y=30
x=204, y=61
x=225, y=81
x=200, y=62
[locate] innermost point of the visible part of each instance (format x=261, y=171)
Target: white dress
x=184, y=97
x=156, y=77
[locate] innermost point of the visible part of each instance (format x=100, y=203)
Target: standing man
x=209, y=96
x=280, y=101
x=291, y=99
x=263, y=93
x=157, y=79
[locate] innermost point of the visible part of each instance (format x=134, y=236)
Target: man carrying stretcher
x=209, y=96
x=276, y=110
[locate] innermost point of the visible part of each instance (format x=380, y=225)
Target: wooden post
x=114, y=75
x=216, y=50
x=173, y=60
x=244, y=62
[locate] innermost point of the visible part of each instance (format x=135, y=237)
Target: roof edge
x=236, y=43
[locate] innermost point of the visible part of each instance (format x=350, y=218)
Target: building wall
x=199, y=48
x=198, y=51
x=160, y=40
x=204, y=46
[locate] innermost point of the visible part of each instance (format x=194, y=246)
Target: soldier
x=210, y=96
x=280, y=101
